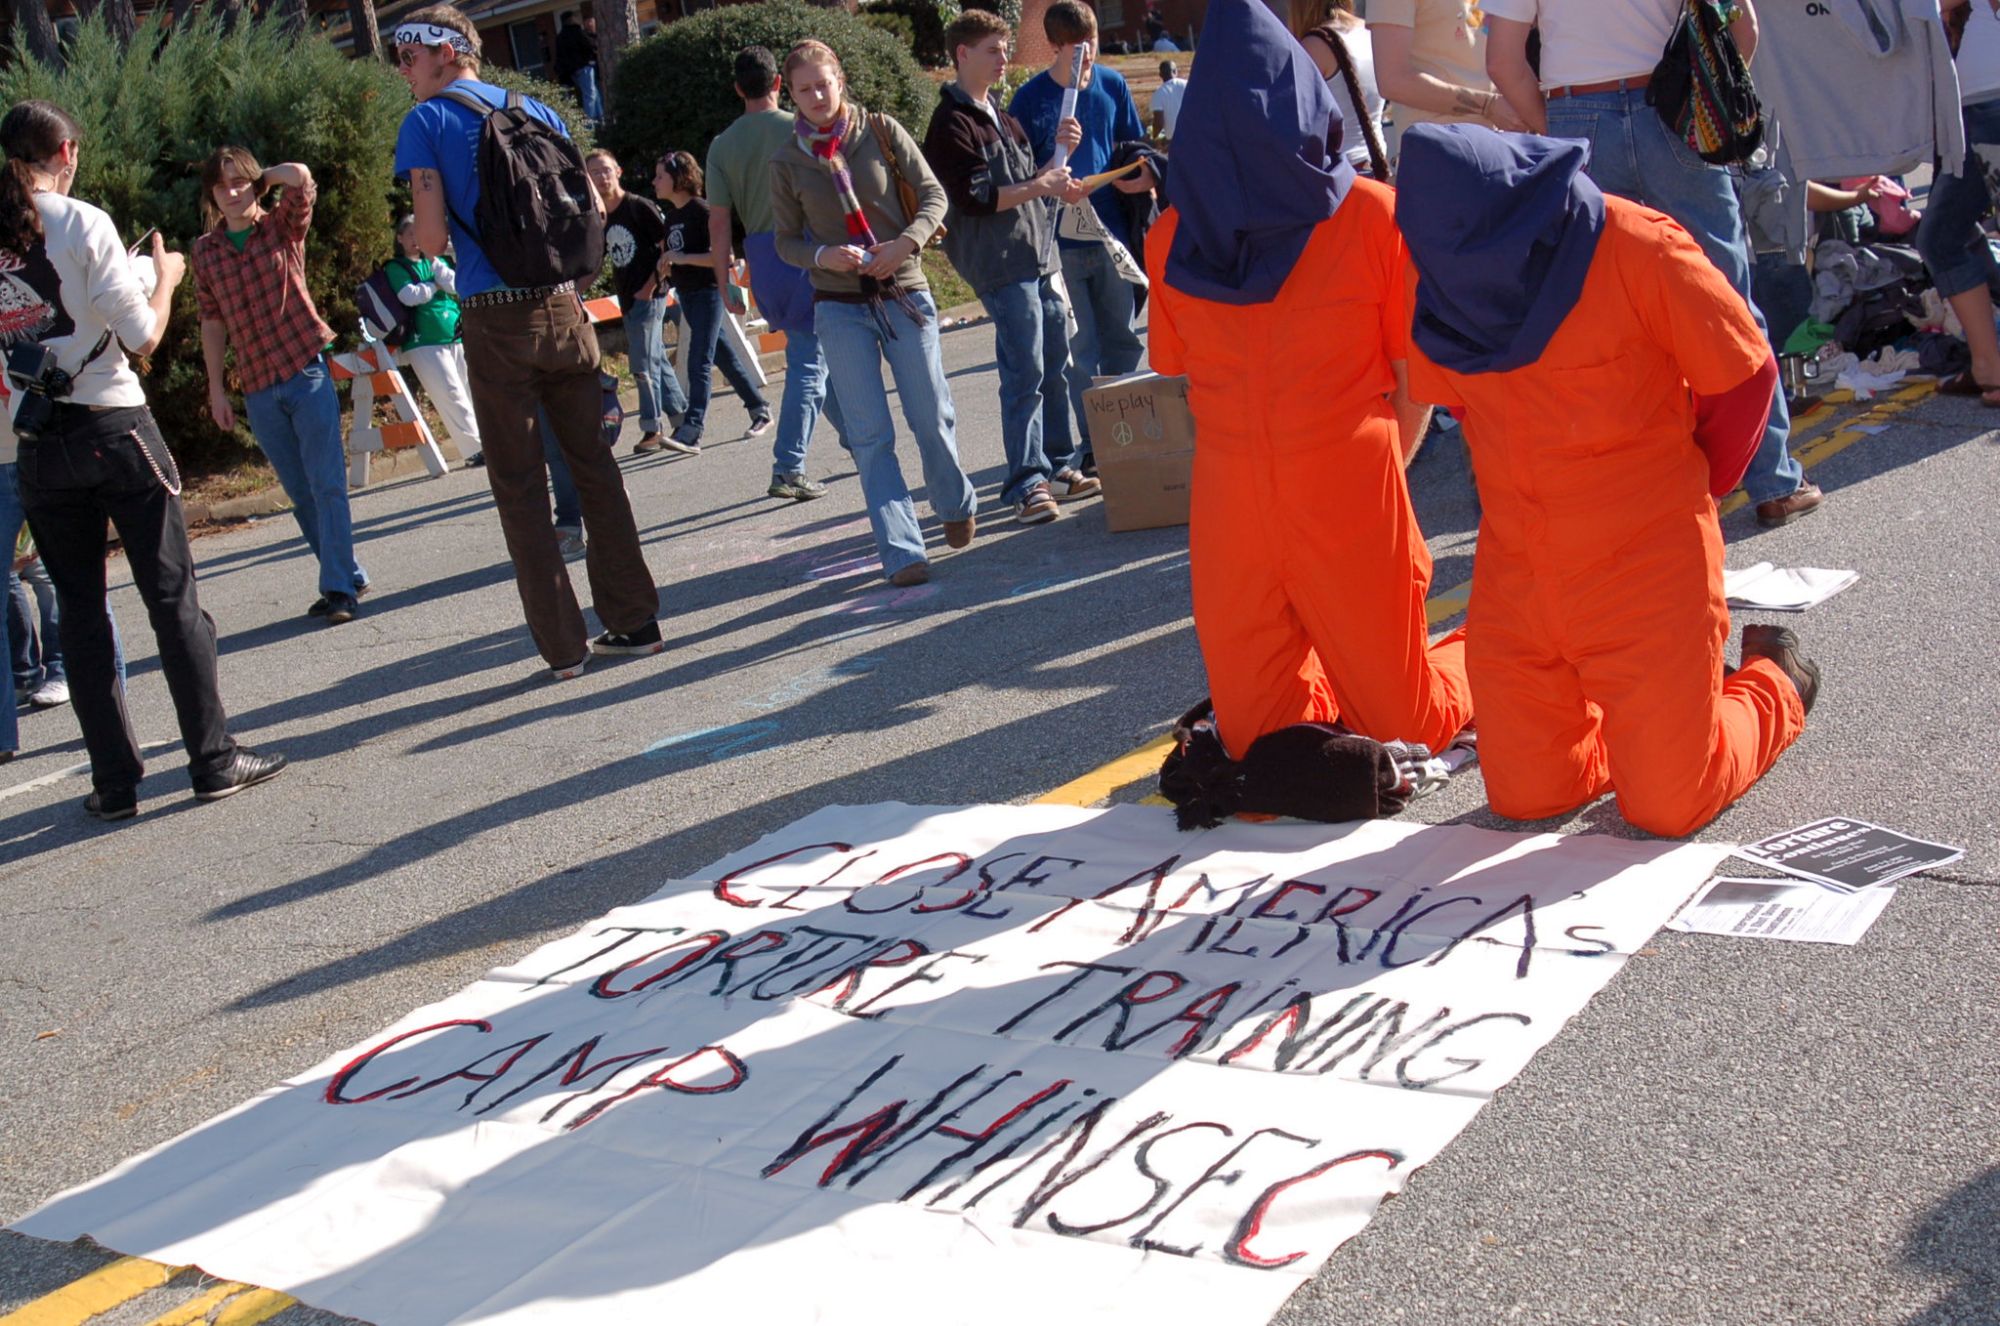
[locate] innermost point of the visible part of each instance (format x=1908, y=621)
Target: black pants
x=88, y=467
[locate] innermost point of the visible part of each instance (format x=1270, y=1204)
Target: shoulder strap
x=904, y=193
x=472, y=103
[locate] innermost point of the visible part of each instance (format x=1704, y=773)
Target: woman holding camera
x=89, y=452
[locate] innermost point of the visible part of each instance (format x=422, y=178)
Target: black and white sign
x=1848, y=854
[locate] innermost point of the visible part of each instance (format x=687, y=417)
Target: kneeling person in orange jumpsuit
x=1612, y=385
x=1278, y=289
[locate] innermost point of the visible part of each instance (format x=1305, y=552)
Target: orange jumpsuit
x=1310, y=572
x=1597, y=621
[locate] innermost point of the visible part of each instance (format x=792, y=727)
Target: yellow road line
x=254, y=1308
x=1819, y=443
x=197, y=1308
x=100, y=1291
x=1101, y=782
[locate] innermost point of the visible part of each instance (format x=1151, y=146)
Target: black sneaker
x=1778, y=644
x=476, y=461
x=340, y=608
x=645, y=640
x=760, y=424
x=114, y=804
x=247, y=770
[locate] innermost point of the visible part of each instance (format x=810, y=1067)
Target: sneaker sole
x=1078, y=497
x=227, y=792
x=627, y=651
x=1040, y=515
x=680, y=448
x=338, y=617
x=110, y=816
x=572, y=672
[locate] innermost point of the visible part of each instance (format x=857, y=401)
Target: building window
x=526, y=41
x=1110, y=14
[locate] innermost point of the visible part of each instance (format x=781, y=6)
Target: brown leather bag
x=906, y=192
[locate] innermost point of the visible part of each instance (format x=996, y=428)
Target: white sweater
x=65, y=293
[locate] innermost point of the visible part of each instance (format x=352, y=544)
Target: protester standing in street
x=250, y=286
x=576, y=62
x=739, y=189
x=633, y=233
x=1000, y=238
x=1095, y=242
x=688, y=263
x=428, y=287
x=835, y=196
x=526, y=348
x=91, y=454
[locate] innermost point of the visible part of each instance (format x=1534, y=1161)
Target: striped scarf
x=824, y=146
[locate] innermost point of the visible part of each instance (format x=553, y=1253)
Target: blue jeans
x=1634, y=155
x=34, y=624
x=297, y=423
x=1949, y=237
x=562, y=484
x=855, y=348
x=784, y=296
x=709, y=350
x=10, y=533
x=1031, y=346
x=660, y=394
x=1106, y=342
x=586, y=93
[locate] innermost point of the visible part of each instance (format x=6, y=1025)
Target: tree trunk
x=232, y=13
x=181, y=10
x=617, y=28
x=38, y=31
x=367, y=37
x=123, y=21
x=294, y=14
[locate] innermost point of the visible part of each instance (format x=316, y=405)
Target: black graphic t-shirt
x=687, y=232
x=31, y=307
x=632, y=236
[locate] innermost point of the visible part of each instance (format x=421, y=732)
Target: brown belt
x=1609, y=85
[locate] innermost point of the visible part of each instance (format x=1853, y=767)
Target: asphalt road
x=1734, y=1131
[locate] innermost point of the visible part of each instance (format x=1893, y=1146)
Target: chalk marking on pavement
x=1820, y=444
x=33, y=783
x=100, y=1291
x=714, y=742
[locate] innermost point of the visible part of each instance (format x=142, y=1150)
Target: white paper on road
x=900, y=1064
x=1783, y=588
x=1781, y=909
x=1848, y=854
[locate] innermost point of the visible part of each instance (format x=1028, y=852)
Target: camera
x=34, y=370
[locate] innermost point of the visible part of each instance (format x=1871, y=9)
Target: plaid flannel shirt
x=259, y=295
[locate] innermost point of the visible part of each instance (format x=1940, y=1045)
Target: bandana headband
x=431, y=34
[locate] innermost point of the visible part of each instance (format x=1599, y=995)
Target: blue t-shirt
x=443, y=136
x=1105, y=110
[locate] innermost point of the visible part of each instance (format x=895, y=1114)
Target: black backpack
x=537, y=218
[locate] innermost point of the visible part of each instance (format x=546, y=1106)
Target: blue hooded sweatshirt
x=1256, y=160
x=1502, y=228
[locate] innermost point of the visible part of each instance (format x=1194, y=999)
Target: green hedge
x=152, y=114
x=675, y=90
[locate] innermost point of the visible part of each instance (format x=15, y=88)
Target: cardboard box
x=1142, y=434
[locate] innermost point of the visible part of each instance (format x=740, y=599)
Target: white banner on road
x=901, y=1064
